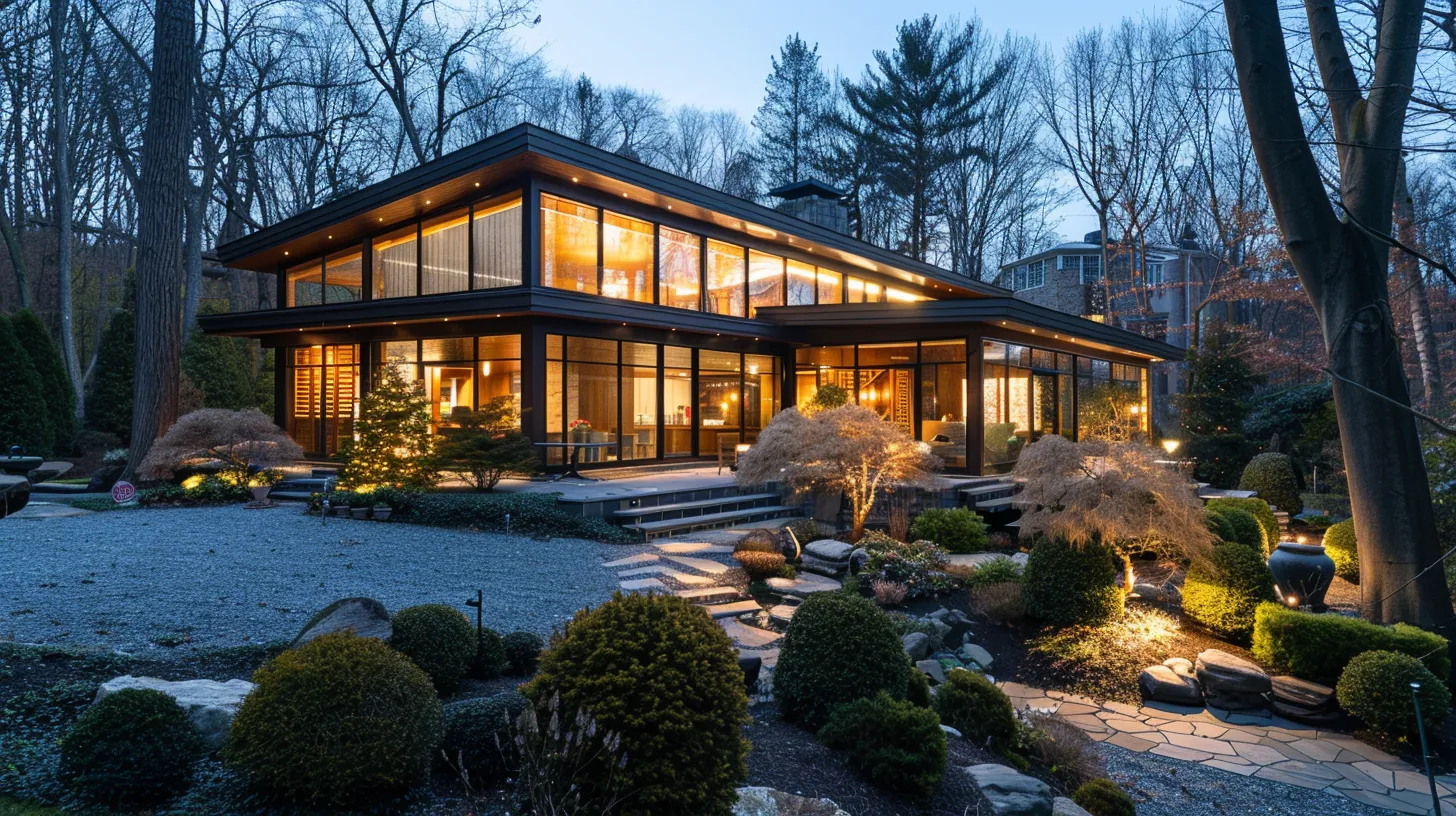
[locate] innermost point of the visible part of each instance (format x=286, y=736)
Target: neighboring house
x=660, y=319
x=1163, y=305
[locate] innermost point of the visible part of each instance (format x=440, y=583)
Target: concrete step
x=985, y=491
x=747, y=636
x=696, y=508
x=997, y=505
x=641, y=559
x=666, y=527
x=731, y=610
x=702, y=565
x=708, y=594
x=693, y=548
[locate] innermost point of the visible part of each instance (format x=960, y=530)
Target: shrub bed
x=760, y=565
x=1317, y=647
x=1341, y=546
x=535, y=514
x=1272, y=477
x=972, y=705
x=956, y=530
x=919, y=565
x=490, y=655
x=894, y=743
x=339, y=721
x=839, y=648
x=133, y=748
x=439, y=639
x=659, y=673
x=1065, y=586
x=1376, y=688
x=1223, y=592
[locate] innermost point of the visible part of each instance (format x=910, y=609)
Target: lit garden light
x=1171, y=445
x=1425, y=752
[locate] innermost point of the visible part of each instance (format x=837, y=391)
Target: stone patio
x=1247, y=744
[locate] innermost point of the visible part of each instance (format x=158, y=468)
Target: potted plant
x=382, y=509
x=359, y=504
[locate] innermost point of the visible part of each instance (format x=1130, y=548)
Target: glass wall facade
x=321, y=401
x=460, y=374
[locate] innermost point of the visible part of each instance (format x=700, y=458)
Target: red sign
x=123, y=492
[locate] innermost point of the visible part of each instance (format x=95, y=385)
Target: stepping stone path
x=806, y=584
x=1257, y=744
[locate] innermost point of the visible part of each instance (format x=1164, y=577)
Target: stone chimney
x=814, y=201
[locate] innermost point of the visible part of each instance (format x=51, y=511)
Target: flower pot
x=359, y=512
x=383, y=512
x=260, y=493
x=1302, y=573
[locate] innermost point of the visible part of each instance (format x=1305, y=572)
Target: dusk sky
x=716, y=54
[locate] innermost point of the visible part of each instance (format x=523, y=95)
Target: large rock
x=1167, y=686
x=917, y=645
x=827, y=549
x=1011, y=793
x=210, y=704
x=971, y=653
x=364, y=617
x=932, y=669
x=1062, y=806
x=1224, y=674
x=770, y=802
x=1294, y=691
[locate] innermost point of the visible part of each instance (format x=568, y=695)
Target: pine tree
x=55, y=383
x=109, y=393
x=910, y=104
x=222, y=369
x=1214, y=407
x=23, y=419
x=392, y=442
x=792, y=117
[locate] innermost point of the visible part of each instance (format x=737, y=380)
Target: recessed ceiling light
x=624, y=195
x=574, y=178
x=331, y=237
x=427, y=201
x=285, y=252
x=477, y=184
x=381, y=219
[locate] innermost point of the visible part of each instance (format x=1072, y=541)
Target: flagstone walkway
x=1264, y=746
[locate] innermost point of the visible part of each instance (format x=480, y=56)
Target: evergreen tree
x=55, y=383
x=23, y=418
x=222, y=369
x=791, y=119
x=1214, y=406
x=910, y=104
x=109, y=393
x=392, y=444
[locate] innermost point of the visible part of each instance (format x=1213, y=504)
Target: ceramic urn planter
x=1302, y=573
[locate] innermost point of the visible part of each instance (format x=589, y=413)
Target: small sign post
x=123, y=493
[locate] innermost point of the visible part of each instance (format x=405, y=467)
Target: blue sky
x=715, y=54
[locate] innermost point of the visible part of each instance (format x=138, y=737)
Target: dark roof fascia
x=514, y=300
x=986, y=310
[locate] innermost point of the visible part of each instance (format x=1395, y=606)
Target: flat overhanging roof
x=465, y=175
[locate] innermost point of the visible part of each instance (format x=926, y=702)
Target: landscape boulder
x=1165, y=685
x=826, y=556
x=1062, y=806
x=364, y=617
x=1231, y=682
x=210, y=704
x=1303, y=701
x=1011, y=793
x=971, y=653
x=933, y=669
x=770, y=802
x=917, y=645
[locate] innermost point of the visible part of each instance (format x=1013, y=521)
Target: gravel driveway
x=227, y=576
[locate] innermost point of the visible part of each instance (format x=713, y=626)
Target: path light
x=1425, y=752
x=1171, y=445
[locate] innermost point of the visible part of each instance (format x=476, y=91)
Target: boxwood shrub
x=439, y=639
x=480, y=735
x=1317, y=647
x=955, y=529
x=895, y=744
x=1243, y=527
x=1222, y=592
x=1376, y=688
x=534, y=514
x=972, y=705
x=1103, y=797
x=523, y=650
x=661, y=675
x=490, y=657
x=1341, y=546
x=339, y=721
x=1065, y=585
x=1260, y=510
x=1219, y=525
x=132, y=748
x=1272, y=477
x=838, y=648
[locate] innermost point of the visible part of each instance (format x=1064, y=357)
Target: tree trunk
x=17, y=260
x=161, y=221
x=64, y=204
x=192, y=251
x=1409, y=274
x=1343, y=268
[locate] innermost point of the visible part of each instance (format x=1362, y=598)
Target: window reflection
x=801, y=284
x=725, y=279
x=306, y=284
x=569, y=235
x=765, y=281
x=626, y=258
x=680, y=254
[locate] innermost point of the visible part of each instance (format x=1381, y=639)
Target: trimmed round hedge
x=480, y=735
x=491, y=658
x=1272, y=477
x=972, y=705
x=439, y=639
x=339, y=721
x=133, y=748
x=1223, y=592
x=1376, y=688
x=523, y=651
x=759, y=541
x=660, y=674
x=896, y=744
x=955, y=529
x=1103, y=797
x=760, y=565
x=839, y=648
x=1219, y=525
x=1245, y=528
x=1259, y=509
x=1341, y=546
x=1065, y=586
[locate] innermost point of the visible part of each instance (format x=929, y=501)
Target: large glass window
x=765, y=281
x=306, y=284
x=639, y=400
x=831, y=287
x=626, y=258
x=569, y=242
x=445, y=254
x=943, y=396
x=801, y=284
x=760, y=392
x=396, y=264
x=449, y=374
x=344, y=276
x=720, y=404
x=322, y=397
x=677, y=401
x=591, y=396
x=679, y=269
x=500, y=369
x=725, y=279
x=497, y=232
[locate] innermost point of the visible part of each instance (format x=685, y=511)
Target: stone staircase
x=694, y=570
x=299, y=488
x=994, y=498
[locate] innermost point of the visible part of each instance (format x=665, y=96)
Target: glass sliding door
x=720, y=404
x=323, y=397
x=760, y=393
x=639, y=401
x=677, y=401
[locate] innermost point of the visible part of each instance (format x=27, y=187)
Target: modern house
x=620, y=304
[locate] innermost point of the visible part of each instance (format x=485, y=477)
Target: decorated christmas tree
x=392, y=442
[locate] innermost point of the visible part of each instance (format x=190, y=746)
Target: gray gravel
x=1171, y=787
x=228, y=576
